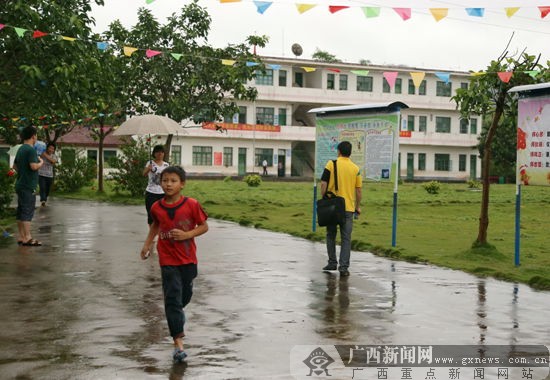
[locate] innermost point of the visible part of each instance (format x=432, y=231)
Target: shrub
x=473, y=184
x=253, y=180
x=73, y=174
x=432, y=187
x=227, y=179
x=129, y=174
x=7, y=190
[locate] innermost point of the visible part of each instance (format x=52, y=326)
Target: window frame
x=202, y=155
x=438, y=126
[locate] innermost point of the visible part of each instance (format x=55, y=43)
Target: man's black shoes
x=330, y=267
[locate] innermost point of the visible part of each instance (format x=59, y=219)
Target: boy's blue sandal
x=179, y=355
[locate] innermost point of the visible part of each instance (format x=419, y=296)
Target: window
x=227, y=156
x=265, y=115
x=238, y=117
x=330, y=81
x=107, y=155
x=464, y=125
x=462, y=162
x=398, y=85
x=421, y=161
x=175, y=155
x=442, y=162
x=91, y=154
x=282, y=78
x=410, y=123
x=264, y=154
x=412, y=89
x=264, y=78
x=442, y=124
x=473, y=126
x=202, y=155
x=385, y=85
x=443, y=89
x=282, y=116
x=422, y=123
x=464, y=85
x=422, y=88
x=343, y=82
x=298, y=80
x=364, y=84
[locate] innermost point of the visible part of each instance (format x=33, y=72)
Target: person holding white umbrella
x=153, y=170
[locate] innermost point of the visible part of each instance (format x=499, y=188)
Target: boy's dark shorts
x=26, y=202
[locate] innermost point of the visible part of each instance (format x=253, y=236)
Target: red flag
x=336, y=8
x=505, y=76
x=38, y=34
x=544, y=11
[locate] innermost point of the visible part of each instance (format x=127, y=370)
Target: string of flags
x=128, y=51
x=370, y=12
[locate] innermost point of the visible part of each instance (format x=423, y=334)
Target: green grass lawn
x=437, y=229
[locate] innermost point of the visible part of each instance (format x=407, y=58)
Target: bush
x=227, y=179
x=73, y=174
x=473, y=184
x=432, y=187
x=7, y=189
x=253, y=180
x=129, y=174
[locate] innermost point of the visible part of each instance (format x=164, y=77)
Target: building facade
x=437, y=144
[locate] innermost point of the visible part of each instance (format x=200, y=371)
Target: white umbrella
x=148, y=125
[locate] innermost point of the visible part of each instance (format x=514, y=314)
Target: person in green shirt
x=27, y=164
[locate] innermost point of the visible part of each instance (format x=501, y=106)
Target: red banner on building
x=222, y=127
x=405, y=133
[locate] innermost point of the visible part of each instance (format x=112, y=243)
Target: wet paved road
x=84, y=306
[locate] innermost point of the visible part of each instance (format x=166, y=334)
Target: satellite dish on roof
x=297, y=50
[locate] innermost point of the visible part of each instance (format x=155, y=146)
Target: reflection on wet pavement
x=85, y=306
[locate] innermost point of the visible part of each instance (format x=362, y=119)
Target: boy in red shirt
x=176, y=220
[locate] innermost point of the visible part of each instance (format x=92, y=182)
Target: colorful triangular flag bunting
x=505, y=76
x=336, y=8
x=544, y=11
x=475, y=12
x=308, y=69
x=360, y=73
x=128, y=50
x=439, y=13
x=261, y=6
x=70, y=39
x=228, y=62
x=417, y=78
x=511, y=11
x=302, y=8
x=176, y=56
x=443, y=76
x=151, y=53
x=390, y=76
x=20, y=31
x=102, y=45
x=371, y=12
x=404, y=13
x=38, y=34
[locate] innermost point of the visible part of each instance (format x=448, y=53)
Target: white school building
x=438, y=144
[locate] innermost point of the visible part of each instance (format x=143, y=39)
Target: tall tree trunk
x=100, y=162
x=485, y=166
x=167, y=148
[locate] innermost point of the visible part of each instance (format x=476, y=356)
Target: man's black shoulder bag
x=331, y=209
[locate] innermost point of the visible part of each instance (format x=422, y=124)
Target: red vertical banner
x=218, y=158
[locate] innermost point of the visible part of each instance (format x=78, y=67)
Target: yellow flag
x=439, y=13
x=302, y=8
x=417, y=78
x=477, y=73
x=228, y=62
x=128, y=51
x=230, y=1
x=511, y=11
x=68, y=38
x=308, y=69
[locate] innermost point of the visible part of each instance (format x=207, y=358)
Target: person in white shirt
x=153, y=169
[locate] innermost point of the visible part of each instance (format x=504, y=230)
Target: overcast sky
x=457, y=42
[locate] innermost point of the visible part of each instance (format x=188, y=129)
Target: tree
x=487, y=95
x=323, y=56
x=188, y=80
x=42, y=78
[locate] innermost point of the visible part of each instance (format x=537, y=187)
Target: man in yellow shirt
x=349, y=187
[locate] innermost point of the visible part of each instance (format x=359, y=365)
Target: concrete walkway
x=84, y=306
